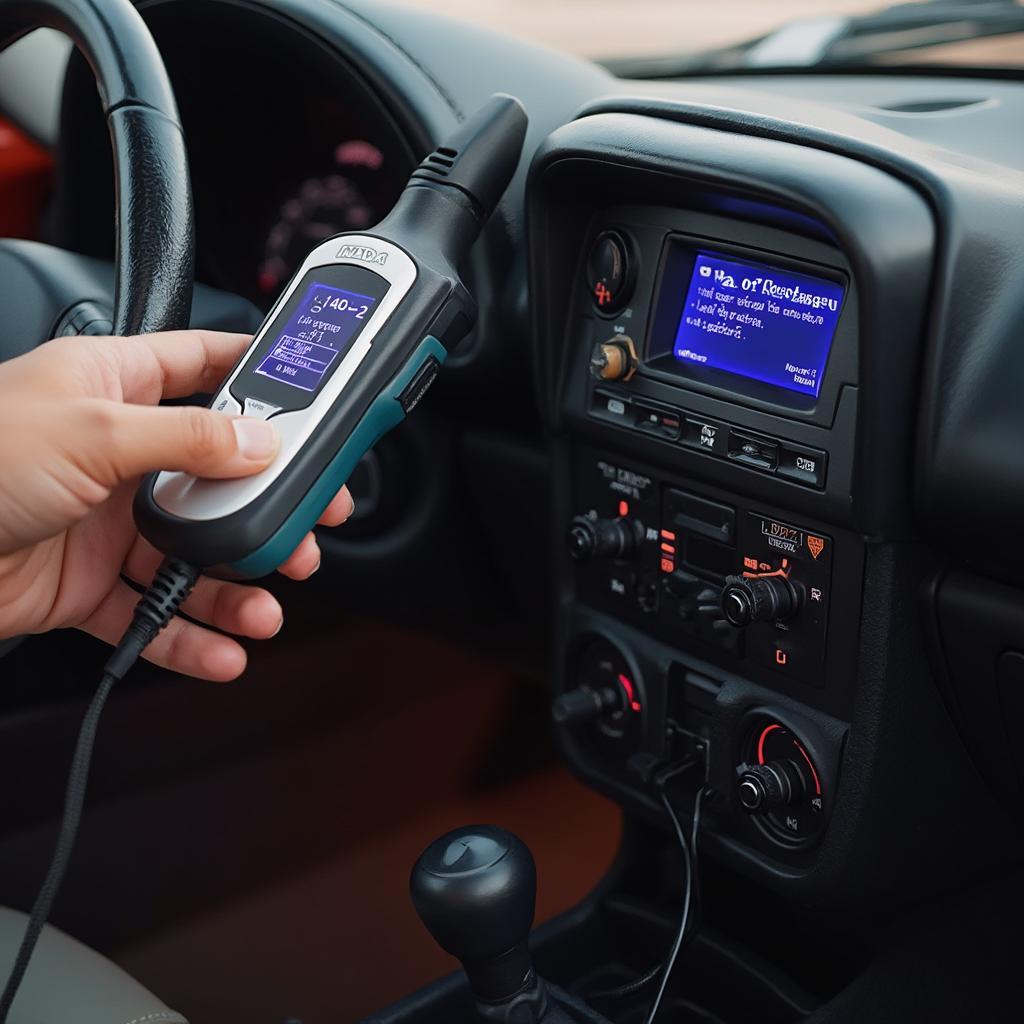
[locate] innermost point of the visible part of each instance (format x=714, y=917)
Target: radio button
x=652, y=419
x=803, y=465
x=751, y=450
x=610, y=406
x=706, y=435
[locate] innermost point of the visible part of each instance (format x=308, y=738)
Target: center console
x=711, y=402
x=727, y=339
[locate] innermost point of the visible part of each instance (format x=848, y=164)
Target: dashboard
x=751, y=350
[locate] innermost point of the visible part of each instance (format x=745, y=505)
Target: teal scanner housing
x=384, y=414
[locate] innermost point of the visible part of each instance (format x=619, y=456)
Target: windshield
x=632, y=36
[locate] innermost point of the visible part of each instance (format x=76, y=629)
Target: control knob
x=585, y=703
x=610, y=272
x=614, y=360
x=775, y=784
x=604, y=538
x=762, y=599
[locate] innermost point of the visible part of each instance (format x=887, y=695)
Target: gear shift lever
x=475, y=890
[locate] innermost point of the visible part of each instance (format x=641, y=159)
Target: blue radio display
x=760, y=322
x=316, y=334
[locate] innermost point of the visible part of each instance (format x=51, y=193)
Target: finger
x=173, y=364
x=123, y=441
x=235, y=608
x=303, y=561
x=340, y=509
x=182, y=647
x=232, y=607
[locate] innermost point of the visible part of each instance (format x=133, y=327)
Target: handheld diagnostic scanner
x=344, y=355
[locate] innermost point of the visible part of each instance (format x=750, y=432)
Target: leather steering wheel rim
x=155, y=234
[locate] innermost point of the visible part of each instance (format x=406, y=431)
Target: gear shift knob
x=475, y=889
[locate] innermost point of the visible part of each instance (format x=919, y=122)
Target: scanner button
x=261, y=410
x=225, y=403
x=417, y=387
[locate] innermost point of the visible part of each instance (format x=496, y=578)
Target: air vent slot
x=937, y=106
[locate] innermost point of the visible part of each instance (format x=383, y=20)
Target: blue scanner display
x=319, y=330
x=757, y=321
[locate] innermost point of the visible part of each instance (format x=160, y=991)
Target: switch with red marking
x=606, y=694
x=770, y=598
x=610, y=272
x=781, y=787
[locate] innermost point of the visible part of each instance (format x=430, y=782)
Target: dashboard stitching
x=441, y=91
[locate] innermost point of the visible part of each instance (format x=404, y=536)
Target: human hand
x=79, y=424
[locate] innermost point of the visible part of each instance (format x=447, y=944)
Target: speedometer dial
x=322, y=207
x=319, y=208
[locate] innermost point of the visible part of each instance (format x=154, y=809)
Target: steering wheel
x=45, y=291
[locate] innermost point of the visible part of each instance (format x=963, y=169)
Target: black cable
x=684, y=921
x=172, y=583
x=637, y=984
x=698, y=804
x=630, y=988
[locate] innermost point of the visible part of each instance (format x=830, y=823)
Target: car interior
x=671, y=665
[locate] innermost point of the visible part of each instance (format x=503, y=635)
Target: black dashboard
x=809, y=562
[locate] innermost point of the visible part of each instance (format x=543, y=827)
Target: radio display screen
x=757, y=321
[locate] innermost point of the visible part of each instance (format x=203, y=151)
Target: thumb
x=187, y=438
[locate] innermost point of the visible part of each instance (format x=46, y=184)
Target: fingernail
x=316, y=568
x=280, y=626
x=351, y=509
x=257, y=439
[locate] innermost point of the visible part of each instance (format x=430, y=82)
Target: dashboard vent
x=931, y=106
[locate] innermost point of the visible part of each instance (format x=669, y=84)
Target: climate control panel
x=721, y=577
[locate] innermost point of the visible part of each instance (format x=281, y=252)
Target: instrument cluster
x=287, y=143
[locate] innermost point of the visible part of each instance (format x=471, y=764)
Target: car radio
x=722, y=318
